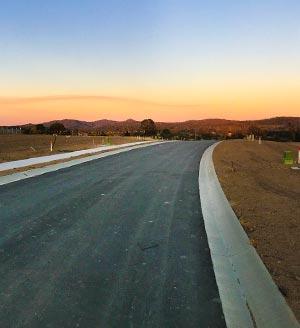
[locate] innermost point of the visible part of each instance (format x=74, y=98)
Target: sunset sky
x=171, y=60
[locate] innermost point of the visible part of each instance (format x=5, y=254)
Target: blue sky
x=151, y=48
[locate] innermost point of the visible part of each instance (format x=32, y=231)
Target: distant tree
x=148, y=127
x=40, y=128
x=184, y=135
x=281, y=135
x=100, y=132
x=238, y=135
x=207, y=136
x=57, y=128
x=26, y=130
x=126, y=133
x=253, y=129
x=166, y=134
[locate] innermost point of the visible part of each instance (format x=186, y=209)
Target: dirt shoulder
x=22, y=146
x=265, y=195
x=38, y=166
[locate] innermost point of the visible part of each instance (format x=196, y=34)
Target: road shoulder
x=264, y=195
x=244, y=283
x=36, y=171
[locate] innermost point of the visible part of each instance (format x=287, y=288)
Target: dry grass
x=20, y=146
x=265, y=195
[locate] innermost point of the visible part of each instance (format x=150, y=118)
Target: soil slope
x=265, y=195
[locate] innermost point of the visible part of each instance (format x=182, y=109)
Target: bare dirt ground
x=20, y=146
x=265, y=195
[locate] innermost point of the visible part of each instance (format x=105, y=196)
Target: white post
x=51, y=146
x=299, y=155
x=259, y=140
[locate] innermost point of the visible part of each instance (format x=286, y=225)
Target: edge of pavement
x=55, y=157
x=6, y=179
x=249, y=296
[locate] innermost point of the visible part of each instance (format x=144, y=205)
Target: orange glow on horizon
x=222, y=103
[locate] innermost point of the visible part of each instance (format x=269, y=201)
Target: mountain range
x=206, y=125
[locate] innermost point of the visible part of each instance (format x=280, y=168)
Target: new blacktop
x=121, y=240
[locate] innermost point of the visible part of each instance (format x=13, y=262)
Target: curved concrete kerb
x=249, y=296
x=56, y=157
x=55, y=167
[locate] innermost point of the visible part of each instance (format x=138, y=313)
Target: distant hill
x=206, y=125
x=104, y=125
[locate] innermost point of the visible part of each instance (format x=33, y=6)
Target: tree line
x=148, y=128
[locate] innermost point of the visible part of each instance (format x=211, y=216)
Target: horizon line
x=166, y=122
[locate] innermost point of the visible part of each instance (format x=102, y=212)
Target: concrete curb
x=248, y=294
x=55, y=167
x=56, y=157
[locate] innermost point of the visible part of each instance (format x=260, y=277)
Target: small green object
x=108, y=141
x=288, y=157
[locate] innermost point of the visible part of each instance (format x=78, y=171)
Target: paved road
x=116, y=242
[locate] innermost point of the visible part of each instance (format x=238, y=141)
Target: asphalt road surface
x=116, y=242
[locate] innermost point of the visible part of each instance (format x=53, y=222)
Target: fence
x=10, y=130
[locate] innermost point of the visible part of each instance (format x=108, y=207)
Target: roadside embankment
x=265, y=195
x=20, y=146
x=11, y=167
